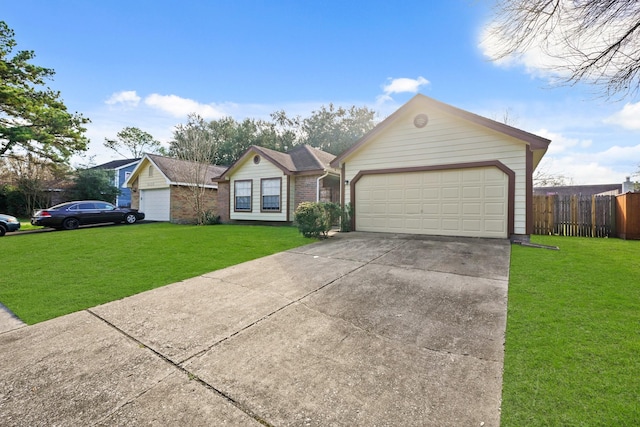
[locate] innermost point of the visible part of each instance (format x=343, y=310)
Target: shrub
x=316, y=219
x=211, y=218
x=345, y=218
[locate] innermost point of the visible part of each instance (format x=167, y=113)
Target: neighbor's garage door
x=459, y=202
x=155, y=204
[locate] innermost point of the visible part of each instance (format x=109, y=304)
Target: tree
x=31, y=177
x=543, y=178
x=132, y=142
x=330, y=129
x=195, y=144
x=590, y=40
x=336, y=129
x=94, y=184
x=34, y=120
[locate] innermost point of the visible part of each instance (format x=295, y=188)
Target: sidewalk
x=8, y=321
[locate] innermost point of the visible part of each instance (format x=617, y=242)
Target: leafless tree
x=132, y=142
x=195, y=148
x=596, y=41
x=543, y=178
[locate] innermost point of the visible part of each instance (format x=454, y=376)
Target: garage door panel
x=495, y=209
x=450, y=208
x=450, y=192
x=449, y=224
x=472, y=225
x=471, y=175
x=413, y=194
x=464, y=202
x=472, y=209
x=472, y=192
x=494, y=191
x=493, y=225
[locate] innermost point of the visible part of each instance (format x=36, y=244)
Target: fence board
x=588, y=216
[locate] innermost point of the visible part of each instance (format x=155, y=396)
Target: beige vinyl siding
x=445, y=140
x=250, y=171
x=157, y=180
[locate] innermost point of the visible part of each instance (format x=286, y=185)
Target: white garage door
x=459, y=202
x=155, y=204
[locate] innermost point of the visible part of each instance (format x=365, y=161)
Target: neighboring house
x=431, y=168
x=161, y=188
x=267, y=185
x=122, y=170
x=579, y=190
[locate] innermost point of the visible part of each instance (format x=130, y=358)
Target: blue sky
x=149, y=63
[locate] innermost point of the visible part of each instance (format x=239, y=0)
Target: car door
x=108, y=213
x=87, y=213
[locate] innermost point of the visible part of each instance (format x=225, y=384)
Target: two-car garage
x=470, y=202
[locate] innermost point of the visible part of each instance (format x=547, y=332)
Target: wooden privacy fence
x=588, y=216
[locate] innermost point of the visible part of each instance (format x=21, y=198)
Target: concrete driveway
x=361, y=329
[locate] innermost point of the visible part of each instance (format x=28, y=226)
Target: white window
x=242, y=193
x=126, y=177
x=270, y=194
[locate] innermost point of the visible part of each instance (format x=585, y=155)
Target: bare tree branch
x=594, y=41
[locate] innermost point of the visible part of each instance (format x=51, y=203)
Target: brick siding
x=305, y=189
x=182, y=205
x=135, y=195
x=223, y=201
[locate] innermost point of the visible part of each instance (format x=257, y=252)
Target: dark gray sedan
x=71, y=215
x=8, y=223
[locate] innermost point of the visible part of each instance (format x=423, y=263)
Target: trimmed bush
x=316, y=219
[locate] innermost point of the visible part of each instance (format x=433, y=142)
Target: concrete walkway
x=8, y=320
x=361, y=329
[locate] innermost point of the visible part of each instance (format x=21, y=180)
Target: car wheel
x=130, y=218
x=70, y=224
x=3, y=231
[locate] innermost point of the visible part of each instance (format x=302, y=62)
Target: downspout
x=326, y=172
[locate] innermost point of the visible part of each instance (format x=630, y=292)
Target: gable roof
x=170, y=168
x=537, y=143
x=301, y=160
x=117, y=164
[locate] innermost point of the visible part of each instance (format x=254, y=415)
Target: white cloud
x=561, y=143
x=403, y=85
x=126, y=98
x=400, y=85
x=182, y=107
x=628, y=117
x=579, y=171
x=570, y=158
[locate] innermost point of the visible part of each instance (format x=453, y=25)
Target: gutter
x=326, y=172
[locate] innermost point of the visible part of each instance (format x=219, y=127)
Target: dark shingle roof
x=172, y=168
x=303, y=158
x=114, y=164
x=571, y=190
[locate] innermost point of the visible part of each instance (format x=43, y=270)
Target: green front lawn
x=573, y=330
x=25, y=225
x=572, y=355
x=53, y=273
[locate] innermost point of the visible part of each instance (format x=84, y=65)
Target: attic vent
x=256, y=159
x=420, y=120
